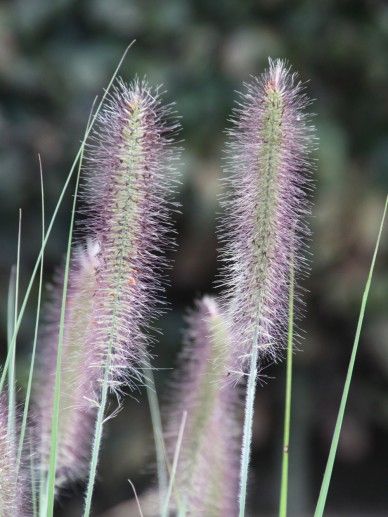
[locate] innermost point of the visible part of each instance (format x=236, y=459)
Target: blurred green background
x=55, y=56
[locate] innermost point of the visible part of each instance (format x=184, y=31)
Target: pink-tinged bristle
x=80, y=373
x=130, y=176
x=207, y=474
x=10, y=490
x=264, y=228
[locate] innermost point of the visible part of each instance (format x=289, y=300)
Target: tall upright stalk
x=268, y=177
x=287, y=405
x=247, y=433
x=129, y=179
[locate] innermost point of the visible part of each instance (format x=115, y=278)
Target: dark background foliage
x=55, y=56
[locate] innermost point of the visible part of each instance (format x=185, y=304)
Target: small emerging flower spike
x=129, y=181
x=207, y=474
x=10, y=493
x=269, y=164
x=80, y=374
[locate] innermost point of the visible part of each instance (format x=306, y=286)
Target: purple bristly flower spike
x=10, y=491
x=129, y=180
x=80, y=373
x=207, y=474
x=269, y=164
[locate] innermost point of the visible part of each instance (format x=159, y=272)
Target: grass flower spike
x=10, y=491
x=80, y=376
x=207, y=474
x=269, y=160
x=128, y=187
x=268, y=157
x=130, y=176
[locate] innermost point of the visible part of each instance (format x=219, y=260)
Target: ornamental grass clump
x=94, y=339
x=206, y=480
x=81, y=373
x=265, y=231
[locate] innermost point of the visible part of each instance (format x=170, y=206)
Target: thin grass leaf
x=165, y=511
x=287, y=406
x=23, y=426
x=12, y=350
x=11, y=306
x=337, y=430
x=58, y=373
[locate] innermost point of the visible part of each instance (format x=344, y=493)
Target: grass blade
x=287, y=407
x=337, y=430
x=11, y=306
x=165, y=511
x=12, y=349
x=23, y=426
x=58, y=372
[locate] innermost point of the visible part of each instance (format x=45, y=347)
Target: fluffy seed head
x=269, y=164
x=129, y=179
x=80, y=372
x=207, y=474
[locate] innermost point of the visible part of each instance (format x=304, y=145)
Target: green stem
x=287, y=408
x=158, y=433
x=337, y=430
x=248, y=423
x=97, y=438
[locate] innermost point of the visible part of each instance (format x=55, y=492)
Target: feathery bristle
x=10, y=493
x=207, y=474
x=128, y=186
x=269, y=164
x=80, y=374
